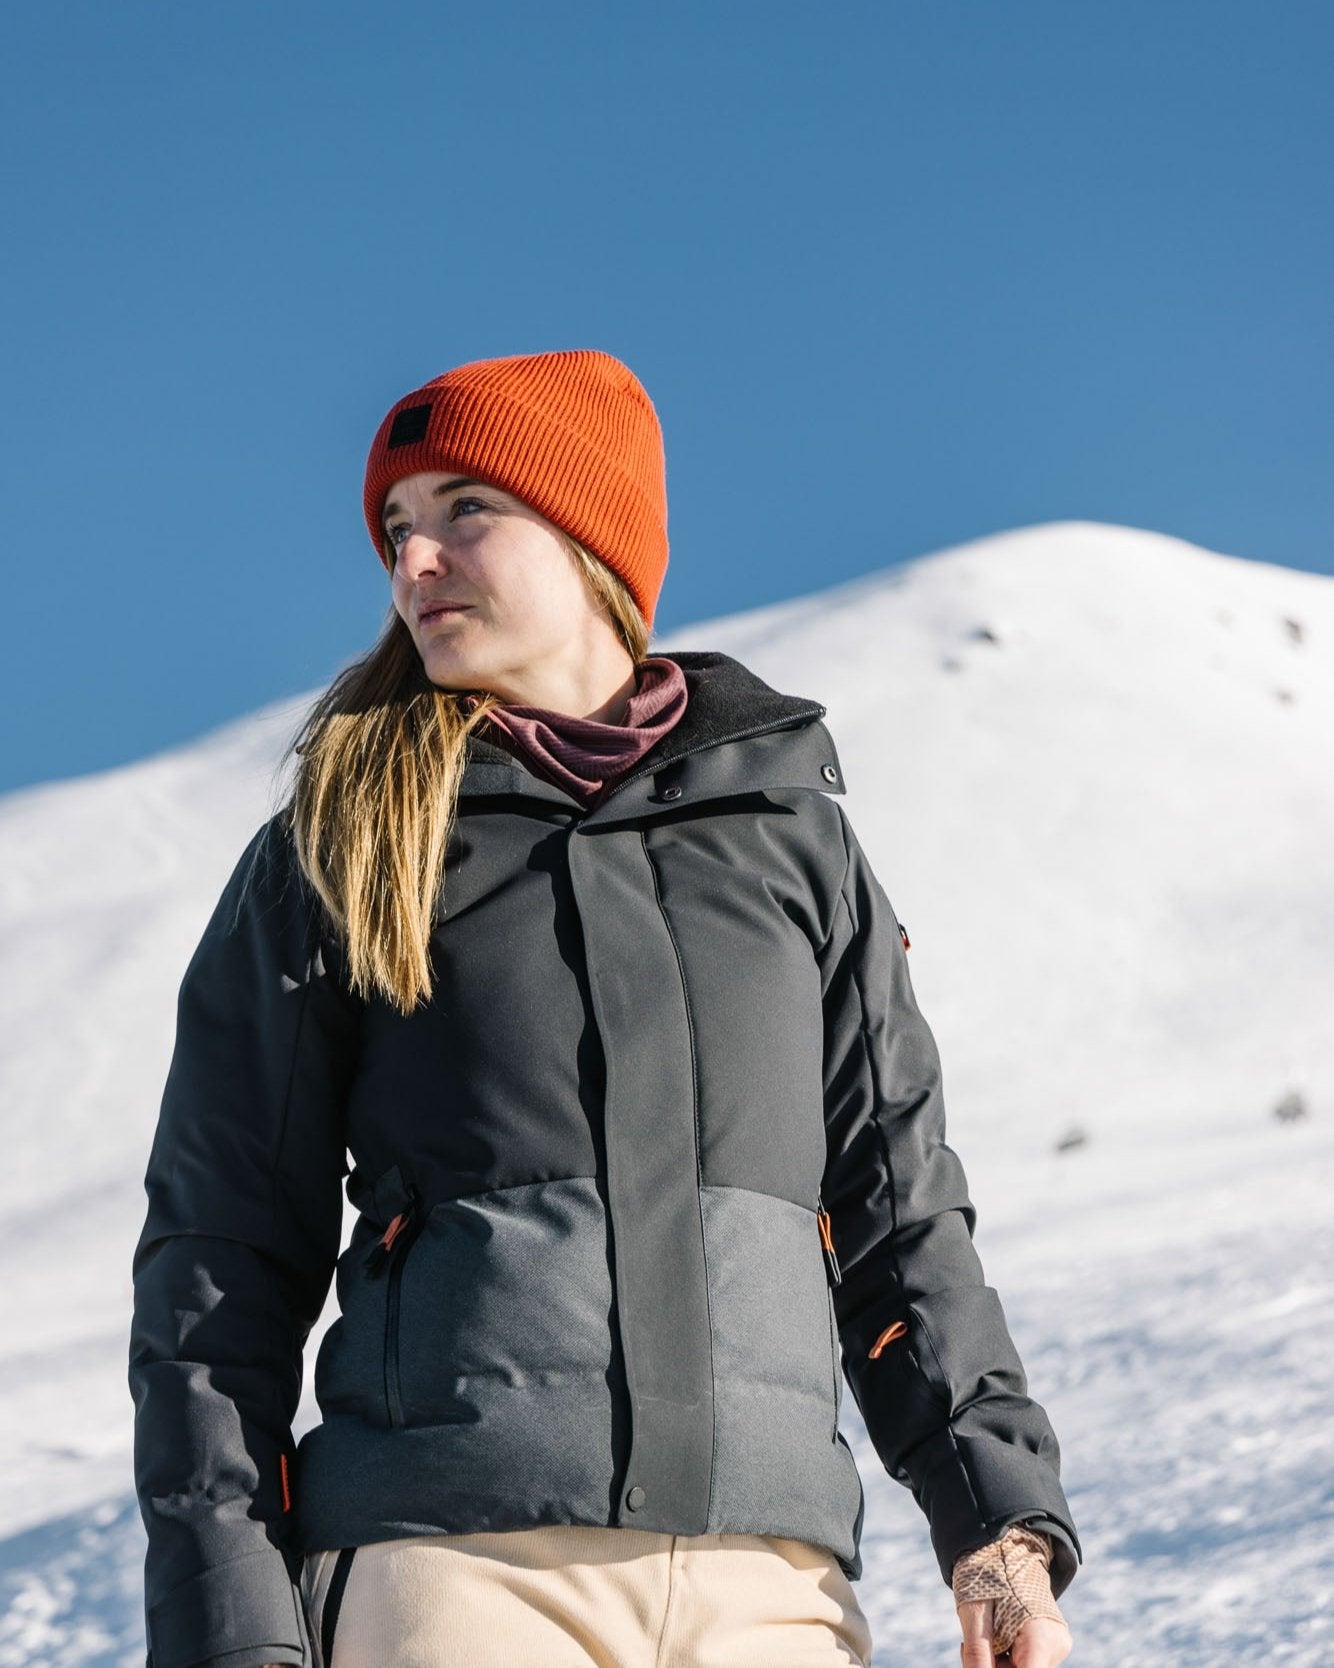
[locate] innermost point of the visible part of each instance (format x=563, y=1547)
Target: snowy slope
x=1092, y=767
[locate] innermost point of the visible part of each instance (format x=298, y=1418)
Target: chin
x=451, y=674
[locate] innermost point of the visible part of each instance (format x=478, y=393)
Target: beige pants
x=578, y=1597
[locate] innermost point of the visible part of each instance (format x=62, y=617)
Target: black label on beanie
x=410, y=426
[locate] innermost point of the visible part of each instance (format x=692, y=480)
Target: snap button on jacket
x=672, y=1075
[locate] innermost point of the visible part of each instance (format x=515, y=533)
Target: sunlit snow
x=1094, y=769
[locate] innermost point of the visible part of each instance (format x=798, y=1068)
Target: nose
x=420, y=554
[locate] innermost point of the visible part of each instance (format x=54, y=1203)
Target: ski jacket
x=664, y=1151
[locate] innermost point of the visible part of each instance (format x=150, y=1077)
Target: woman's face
x=493, y=597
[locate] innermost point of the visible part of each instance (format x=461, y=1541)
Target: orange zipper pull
x=404, y=1227
x=897, y=1330
x=827, y=1242
x=394, y=1229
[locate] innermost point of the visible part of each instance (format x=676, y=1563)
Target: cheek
x=398, y=591
x=549, y=611
x=559, y=585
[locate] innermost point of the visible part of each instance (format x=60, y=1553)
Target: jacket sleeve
x=233, y=1265
x=945, y=1398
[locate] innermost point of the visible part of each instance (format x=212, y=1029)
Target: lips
x=438, y=611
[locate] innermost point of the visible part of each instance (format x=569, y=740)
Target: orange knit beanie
x=573, y=435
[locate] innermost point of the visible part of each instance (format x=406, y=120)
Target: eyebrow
x=439, y=492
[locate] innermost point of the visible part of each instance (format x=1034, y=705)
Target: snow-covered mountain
x=1093, y=768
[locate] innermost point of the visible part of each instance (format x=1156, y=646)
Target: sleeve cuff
x=972, y=1489
x=230, y=1616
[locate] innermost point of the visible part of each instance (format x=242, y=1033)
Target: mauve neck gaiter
x=582, y=755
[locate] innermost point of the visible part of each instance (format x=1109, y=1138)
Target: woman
x=572, y=949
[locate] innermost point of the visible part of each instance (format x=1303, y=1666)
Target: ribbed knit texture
x=574, y=435
x=583, y=755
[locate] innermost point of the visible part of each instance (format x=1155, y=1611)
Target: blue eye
x=397, y=533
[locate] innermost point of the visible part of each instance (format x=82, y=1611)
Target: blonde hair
x=375, y=795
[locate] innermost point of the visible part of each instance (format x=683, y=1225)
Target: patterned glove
x=1014, y=1572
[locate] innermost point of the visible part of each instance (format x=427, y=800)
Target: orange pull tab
x=826, y=1227
x=903, y=934
x=286, y=1482
x=888, y=1336
x=394, y=1229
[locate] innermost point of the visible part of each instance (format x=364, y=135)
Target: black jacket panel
x=946, y=1402
x=233, y=1265
x=660, y=1032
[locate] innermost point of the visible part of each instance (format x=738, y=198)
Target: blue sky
x=895, y=275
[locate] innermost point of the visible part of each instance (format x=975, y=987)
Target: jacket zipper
x=390, y=1252
x=834, y=1275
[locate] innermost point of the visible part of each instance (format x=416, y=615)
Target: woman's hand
x=1003, y=1596
x=1040, y=1642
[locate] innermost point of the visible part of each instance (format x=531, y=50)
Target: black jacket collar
x=725, y=702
